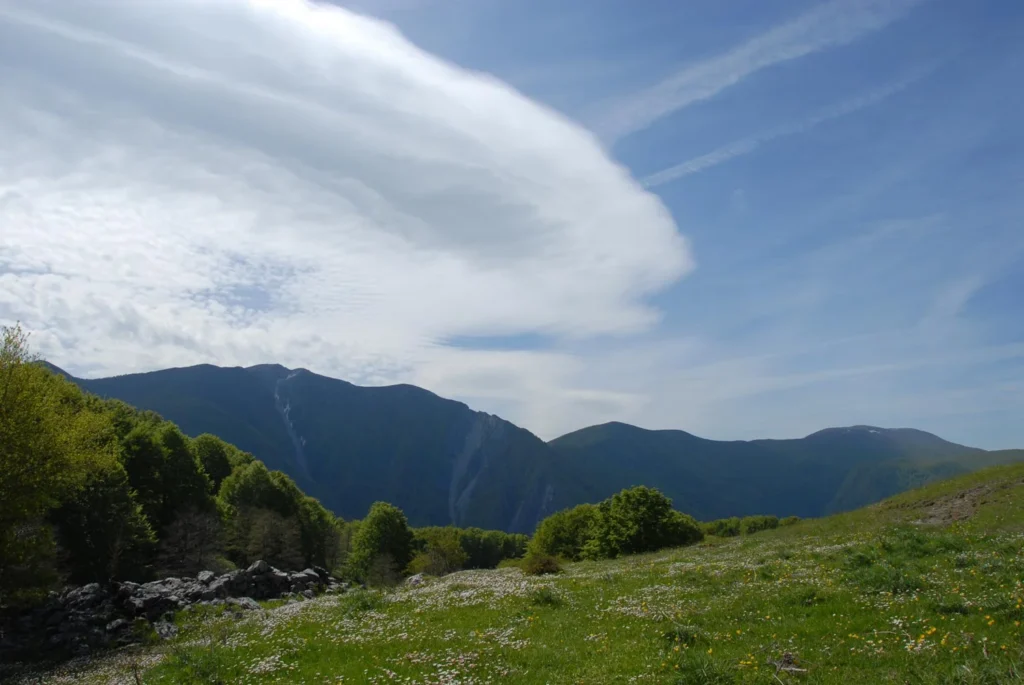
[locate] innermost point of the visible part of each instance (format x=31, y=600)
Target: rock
x=83, y=619
x=118, y=624
x=244, y=603
x=416, y=580
x=165, y=629
x=258, y=567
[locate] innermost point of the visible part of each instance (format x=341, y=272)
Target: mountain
x=832, y=470
x=350, y=446
x=442, y=462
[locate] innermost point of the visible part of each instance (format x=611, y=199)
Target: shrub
x=540, y=564
x=565, y=533
x=723, y=528
x=383, y=534
x=545, y=597
x=789, y=520
x=638, y=520
x=442, y=553
x=755, y=524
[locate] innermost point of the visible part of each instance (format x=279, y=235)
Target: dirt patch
x=959, y=506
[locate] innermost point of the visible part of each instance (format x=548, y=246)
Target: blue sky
x=741, y=219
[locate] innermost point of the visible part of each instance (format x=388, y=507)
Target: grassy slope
x=922, y=588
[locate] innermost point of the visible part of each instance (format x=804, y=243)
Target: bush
x=540, y=564
x=383, y=534
x=638, y=520
x=789, y=520
x=442, y=553
x=723, y=528
x=755, y=524
x=545, y=597
x=565, y=533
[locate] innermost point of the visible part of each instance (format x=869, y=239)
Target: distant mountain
x=442, y=462
x=832, y=470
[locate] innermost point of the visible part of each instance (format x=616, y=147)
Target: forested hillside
x=94, y=490
x=445, y=464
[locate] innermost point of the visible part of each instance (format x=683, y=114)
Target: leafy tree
x=212, y=453
x=637, y=520
x=264, y=534
x=320, y=534
x=566, y=533
x=443, y=552
x=383, y=533
x=192, y=543
x=102, y=530
x=47, y=445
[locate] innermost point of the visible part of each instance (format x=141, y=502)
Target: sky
x=740, y=219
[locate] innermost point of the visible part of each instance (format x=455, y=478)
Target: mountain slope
x=832, y=470
x=350, y=446
x=442, y=462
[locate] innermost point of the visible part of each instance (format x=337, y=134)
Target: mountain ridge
x=443, y=462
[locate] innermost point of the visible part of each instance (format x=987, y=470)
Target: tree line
x=94, y=490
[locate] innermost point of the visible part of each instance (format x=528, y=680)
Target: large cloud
x=244, y=181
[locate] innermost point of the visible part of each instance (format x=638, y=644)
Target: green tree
x=193, y=542
x=47, y=445
x=637, y=520
x=565, y=533
x=442, y=551
x=102, y=531
x=212, y=453
x=383, y=534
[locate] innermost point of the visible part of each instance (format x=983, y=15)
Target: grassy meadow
x=927, y=587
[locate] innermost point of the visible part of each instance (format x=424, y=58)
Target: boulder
x=258, y=567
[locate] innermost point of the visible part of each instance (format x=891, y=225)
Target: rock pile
x=95, y=616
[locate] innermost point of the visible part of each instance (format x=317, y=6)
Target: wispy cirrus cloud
x=745, y=146
x=828, y=25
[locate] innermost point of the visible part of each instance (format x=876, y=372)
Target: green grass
x=893, y=593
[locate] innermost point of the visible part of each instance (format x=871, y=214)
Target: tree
x=384, y=533
x=443, y=552
x=638, y=520
x=320, y=532
x=273, y=539
x=47, y=444
x=102, y=531
x=565, y=533
x=212, y=453
x=193, y=542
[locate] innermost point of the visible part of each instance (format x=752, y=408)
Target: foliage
x=755, y=524
x=192, y=543
x=383, y=539
x=566, y=532
x=789, y=520
x=538, y=564
x=441, y=551
x=263, y=534
x=101, y=529
x=638, y=520
x=95, y=490
x=723, y=528
x=476, y=548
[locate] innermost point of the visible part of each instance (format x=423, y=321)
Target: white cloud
x=246, y=181
x=827, y=25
